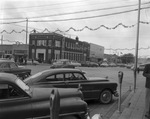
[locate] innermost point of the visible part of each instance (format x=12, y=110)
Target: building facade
x=47, y=47
x=96, y=53
x=15, y=51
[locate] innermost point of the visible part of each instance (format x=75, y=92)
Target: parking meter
x=54, y=104
x=120, y=78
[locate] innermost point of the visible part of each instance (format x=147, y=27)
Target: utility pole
x=2, y=46
x=26, y=30
x=137, y=45
x=2, y=40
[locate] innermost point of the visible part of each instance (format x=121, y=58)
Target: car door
x=4, y=67
x=74, y=79
x=54, y=80
x=14, y=104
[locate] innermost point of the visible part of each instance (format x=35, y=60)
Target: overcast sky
x=79, y=14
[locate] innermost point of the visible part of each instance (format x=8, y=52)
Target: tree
x=127, y=58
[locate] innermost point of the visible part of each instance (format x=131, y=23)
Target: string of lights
x=121, y=49
x=118, y=49
x=17, y=42
x=77, y=30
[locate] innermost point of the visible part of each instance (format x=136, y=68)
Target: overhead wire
x=79, y=18
x=63, y=3
x=78, y=12
x=90, y=17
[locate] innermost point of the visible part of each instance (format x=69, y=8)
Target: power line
x=44, y=5
x=78, y=12
x=90, y=17
x=63, y=3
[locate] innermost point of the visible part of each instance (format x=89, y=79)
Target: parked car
x=20, y=101
x=62, y=63
x=34, y=62
x=75, y=63
x=10, y=66
x=140, y=67
x=93, y=89
x=104, y=64
x=89, y=64
x=112, y=65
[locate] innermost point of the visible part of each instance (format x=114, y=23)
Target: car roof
x=5, y=60
x=50, y=72
x=144, y=64
x=7, y=77
x=60, y=70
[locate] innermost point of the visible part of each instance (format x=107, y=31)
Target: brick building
x=13, y=50
x=47, y=47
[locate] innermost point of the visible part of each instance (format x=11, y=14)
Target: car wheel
x=105, y=96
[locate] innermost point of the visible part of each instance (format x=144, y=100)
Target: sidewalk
x=133, y=106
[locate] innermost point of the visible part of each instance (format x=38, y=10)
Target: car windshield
x=34, y=76
x=22, y=85
x=85, y=74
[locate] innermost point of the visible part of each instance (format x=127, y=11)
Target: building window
x=50, y=43
x=33, y=42
x=57, y=54
x=41, y=42
x=33, y=53
x=57, y=43
x=49, y=55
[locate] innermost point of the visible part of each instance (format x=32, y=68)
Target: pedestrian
x=146, y=73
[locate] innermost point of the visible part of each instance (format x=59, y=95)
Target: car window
x=79, y=76
x=13, y=65
x=4, y=66
x=60, y=77
x=69, y=76
x=8, y=92
x=56, y=77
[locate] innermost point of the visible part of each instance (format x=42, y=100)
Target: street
x=112, y=74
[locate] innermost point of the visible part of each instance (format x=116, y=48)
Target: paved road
x=112, y=73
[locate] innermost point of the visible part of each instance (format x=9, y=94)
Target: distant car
x=29, y=62
x=75, y=63
x=10, y=66
x=93, y=64
x=140, y=67
x=62, y=63
x=112, y=64
x=104, y=64
x=93, y=89
x=19, y=101
x=89, y=64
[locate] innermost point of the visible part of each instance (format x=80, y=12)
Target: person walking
x=146, y=73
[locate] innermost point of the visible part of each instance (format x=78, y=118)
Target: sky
x=108, y=23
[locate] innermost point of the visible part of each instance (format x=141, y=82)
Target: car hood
x=23, y=69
